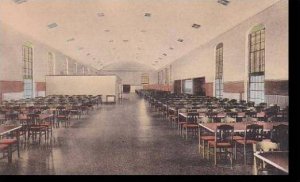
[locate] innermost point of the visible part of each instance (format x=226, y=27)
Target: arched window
x=50, y=63
x=28, y=70
x=170, y=74
x=256, y=87
x=219, y=71
x=76, y=68
x=167, y=76
x=66, y=71
x=83, y=70
x=145, y=79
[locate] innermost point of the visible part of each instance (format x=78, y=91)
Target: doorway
x=199, y=86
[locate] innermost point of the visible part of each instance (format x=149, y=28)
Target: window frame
x=256, y=64
x=219, y=71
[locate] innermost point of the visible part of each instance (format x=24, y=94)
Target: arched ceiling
x=103, y=32
x=127, y=66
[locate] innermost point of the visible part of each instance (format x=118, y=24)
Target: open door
x=126, y=89
x=177, y=86
x=199, y=86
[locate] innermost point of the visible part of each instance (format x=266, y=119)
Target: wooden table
x=278, y=159
x=240, y=126
x=7, y=129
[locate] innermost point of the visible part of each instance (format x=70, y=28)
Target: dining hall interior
x=144, y=87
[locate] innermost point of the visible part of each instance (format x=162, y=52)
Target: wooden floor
x=125, y=138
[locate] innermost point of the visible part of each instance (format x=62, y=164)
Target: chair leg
x=215, y=155
x=231, y=158
x=18, y=149
x=203, y=149
x=45, y=133
x=186, y=133
x=208, y=151
x=245, y=157
x=10, y=154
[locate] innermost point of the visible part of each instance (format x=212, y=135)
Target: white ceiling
x=148, y=37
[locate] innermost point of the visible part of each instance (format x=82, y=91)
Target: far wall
x=132, y=78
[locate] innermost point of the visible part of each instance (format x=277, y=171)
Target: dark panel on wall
x=276, y=87
x=209, y=89
x=198, y=86
x=234, y=87
x=126, y=88
x=40, y=86
x=177, y=86
x=11, y=86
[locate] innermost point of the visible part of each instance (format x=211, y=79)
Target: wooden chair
x=191, y=125
x=36, y=129
x=180, y=122
x=2, y=118
x=62, y=116
x=223, y=143
x=253, y=134
x=204, y=136
x=10, y=144
x=4, y=149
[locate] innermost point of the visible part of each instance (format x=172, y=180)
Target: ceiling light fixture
x=171, y=48
x=100, y=14
x=69, y=40
x=223, y=2
x=164, y=54
x=52, y=25
x=196, y=25
x=107, y=30
x=180, y=40
x=20, y=1
x=147, y=14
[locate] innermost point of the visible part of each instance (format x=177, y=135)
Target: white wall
x=11, y=67
x=82, y=85
x=128, y=77
x=201, y=61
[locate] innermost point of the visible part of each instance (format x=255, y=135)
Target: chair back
x=280, y=134
x=224, y=133
x=192, y=117
x=241, y=114
x=254, y=132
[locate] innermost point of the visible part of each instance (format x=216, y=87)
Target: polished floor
x=121, y=139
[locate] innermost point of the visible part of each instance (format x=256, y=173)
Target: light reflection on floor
x=116, y=139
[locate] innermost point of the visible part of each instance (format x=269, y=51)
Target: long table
x=278, y=159
x=7, y=129
x=241, y=126
x=238, y=127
